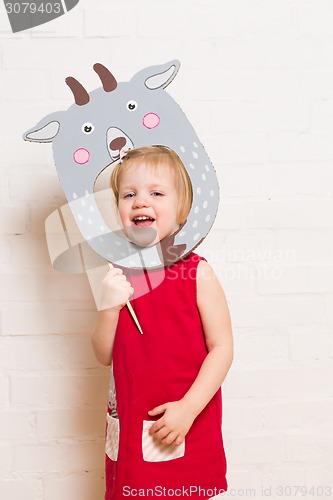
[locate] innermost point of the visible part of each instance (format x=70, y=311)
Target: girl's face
x=147, y=203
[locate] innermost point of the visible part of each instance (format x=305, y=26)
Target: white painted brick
x=278, y=86
x=172, y=25
x=38, y=214
x=249, y=52
x=43, y=318
x=270, y=180
x=264, y=349
x=43, y=459
x=328, y=301
x=14, y=220
x=310, y=342
x=322, y=118
x=6, y=459
x=70, y=25
x=306, y=448
x=12, y=89
x=323, y=47
x=231, y=215
x=263, y=19
x=307, y=415
x=316, y=82
x=277, y=312
x=27, y=488
x=86, y=51
x=279, y=383
x=87, y=456
x=244, y=415
x=310, y=246
x=105, y=23
x=37, y=185
x=5, y=28
x=35, y=255
x=224, y=83
x=281, y=479
x=15, y=127
x=240, y=246
x=237, y=148
x=244, y=481
x=52, y=285
x=80, y=351
x=212, y=248
x=83, y=486
x=15, y=149
x=40, y=391
x=17, y=426
x=256, y=449
x=235, y=117
x=86, y=423
x=322, y=476
x=58, y=458
x=35, y=353
x=4, y=391
x=283, y=279
x=292, y=146
x=290, y=213
x=237, y=279
x=315, y=18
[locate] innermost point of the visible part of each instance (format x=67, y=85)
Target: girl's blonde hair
x=155, y=156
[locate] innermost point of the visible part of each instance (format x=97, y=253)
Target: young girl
x=167, y=439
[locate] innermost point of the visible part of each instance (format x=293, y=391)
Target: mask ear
x=157, y=77
x=45, y=130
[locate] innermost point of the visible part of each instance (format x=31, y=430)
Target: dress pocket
x=112, y=437
x=153, y=450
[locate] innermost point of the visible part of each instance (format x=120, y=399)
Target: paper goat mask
x=90, y=137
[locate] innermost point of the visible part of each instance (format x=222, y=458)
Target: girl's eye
x=132, y=105
x=129, y=195
x=87, y=128
x=156, y=193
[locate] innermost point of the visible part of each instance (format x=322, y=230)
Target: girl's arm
x=116, y=291
x=179, y=415
x=102, y=337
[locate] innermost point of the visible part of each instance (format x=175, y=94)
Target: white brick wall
x=257, y=84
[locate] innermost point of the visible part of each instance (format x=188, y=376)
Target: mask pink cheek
x=81, y=156
x=151, y=120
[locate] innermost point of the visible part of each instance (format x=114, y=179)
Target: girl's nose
x=140, y=201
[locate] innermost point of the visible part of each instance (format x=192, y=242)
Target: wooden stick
x=134, y=316
x=131, y=310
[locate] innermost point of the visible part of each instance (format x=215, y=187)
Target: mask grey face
x=92, y=135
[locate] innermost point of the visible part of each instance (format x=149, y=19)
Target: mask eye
x=132, y=105
x=87, y=128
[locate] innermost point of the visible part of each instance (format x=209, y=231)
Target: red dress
x=152, y=369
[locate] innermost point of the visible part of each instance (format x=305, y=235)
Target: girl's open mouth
x=143, y=220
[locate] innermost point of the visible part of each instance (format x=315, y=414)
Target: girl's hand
x=173, y=426
x=116, y=290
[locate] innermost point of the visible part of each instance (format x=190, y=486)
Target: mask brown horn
x=108, y=80
x=81, y=96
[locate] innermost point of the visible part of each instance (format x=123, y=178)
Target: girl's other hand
x=116, y=290
x=173, y=426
